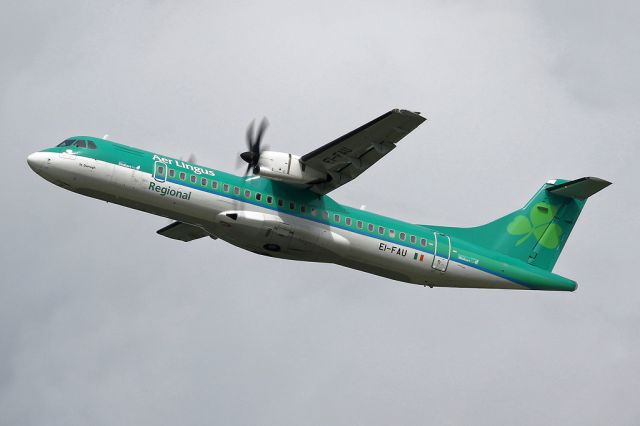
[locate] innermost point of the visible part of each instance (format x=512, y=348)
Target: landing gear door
x=279, y=237
x=441, y=251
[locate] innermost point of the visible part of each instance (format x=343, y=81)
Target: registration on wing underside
x=350, y=155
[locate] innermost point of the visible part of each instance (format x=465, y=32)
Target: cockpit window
x=91, y=145
x=81, y=144
x=68, y=142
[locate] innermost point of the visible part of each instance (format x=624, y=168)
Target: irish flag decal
x=419, y=257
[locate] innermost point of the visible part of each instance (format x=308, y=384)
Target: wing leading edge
x=350, y=155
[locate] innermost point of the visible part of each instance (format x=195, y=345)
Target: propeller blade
x=250, y=135
x=254, y=140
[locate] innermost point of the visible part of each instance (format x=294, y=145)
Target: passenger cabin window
x=292, y=205
x=348, y=221
x=280, y=202
x=247, y=193
x=336, y=218
x=423, y=242
x=381, y=230
x=236, y=190
x=413, y=239
x=403, y=236
x=359, y=224
x=314, y=212
x=172, y=173
x=269, y=199
x=214, y=184
x=183, y=176
x=325, y=215
x=258, y=196
x=392, y=233
x=225, y=187
x=193, y=178
x=203, y=182
x=91, y=145
x=370, y=227
x=303, y=208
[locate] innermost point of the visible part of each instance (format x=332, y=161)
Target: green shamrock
x=548, y=235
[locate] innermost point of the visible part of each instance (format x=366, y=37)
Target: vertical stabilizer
x=537, y=232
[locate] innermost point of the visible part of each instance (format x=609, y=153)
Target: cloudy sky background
x=104, y=322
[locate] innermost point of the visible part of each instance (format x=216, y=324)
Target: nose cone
x=37, y=161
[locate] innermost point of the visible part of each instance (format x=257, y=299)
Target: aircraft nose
x=37, y=161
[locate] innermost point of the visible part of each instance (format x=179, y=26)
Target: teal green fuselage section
x=321, y=209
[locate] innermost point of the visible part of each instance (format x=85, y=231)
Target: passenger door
x=441, y=252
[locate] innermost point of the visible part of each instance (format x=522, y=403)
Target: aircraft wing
x=183, y=232
x=347, y=157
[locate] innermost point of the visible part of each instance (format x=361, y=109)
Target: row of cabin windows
x=303, y=209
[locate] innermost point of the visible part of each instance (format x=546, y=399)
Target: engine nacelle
x=288, y=168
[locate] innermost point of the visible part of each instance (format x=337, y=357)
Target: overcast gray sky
x=104, y=322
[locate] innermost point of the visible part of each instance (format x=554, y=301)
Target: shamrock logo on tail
x=538, y=225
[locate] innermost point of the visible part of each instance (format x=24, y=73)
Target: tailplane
x=537, y=232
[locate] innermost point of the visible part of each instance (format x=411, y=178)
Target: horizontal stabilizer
x=183, y=232
x=581, y=189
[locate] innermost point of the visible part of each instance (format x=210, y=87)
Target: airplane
x=280, y=208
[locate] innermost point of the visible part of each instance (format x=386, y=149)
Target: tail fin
x=537, y=232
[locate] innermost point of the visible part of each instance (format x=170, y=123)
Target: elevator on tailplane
x=280, y=207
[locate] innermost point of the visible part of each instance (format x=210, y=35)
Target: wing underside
x=350, y=155
x=183, y=232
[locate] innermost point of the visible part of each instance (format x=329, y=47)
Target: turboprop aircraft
x=280, y=208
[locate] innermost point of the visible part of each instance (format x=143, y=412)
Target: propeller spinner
x=254, y=139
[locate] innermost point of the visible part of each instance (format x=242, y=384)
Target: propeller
x=254, y=139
